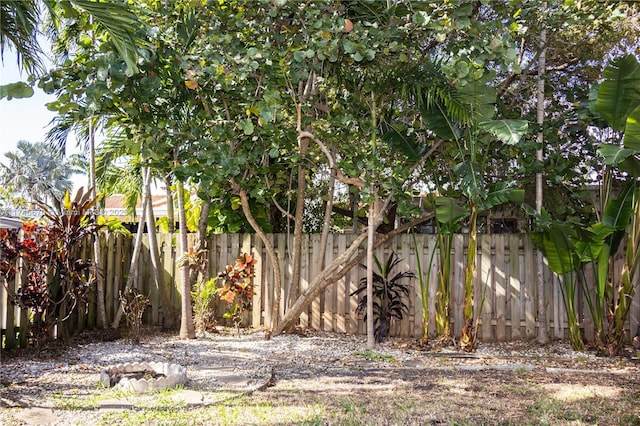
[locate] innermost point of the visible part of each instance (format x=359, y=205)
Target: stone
x=36, y=416
x=153, y=376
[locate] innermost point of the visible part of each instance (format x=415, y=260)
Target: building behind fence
x=505, y=285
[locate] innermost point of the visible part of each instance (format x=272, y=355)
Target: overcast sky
x=24, y=119
x=21, y=119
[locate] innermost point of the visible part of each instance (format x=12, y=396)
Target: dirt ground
x=329, y=379
x=441, y=397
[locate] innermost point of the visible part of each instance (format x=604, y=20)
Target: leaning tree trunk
x=158, y=272
x=273, y=257
x=337, y=269
x=135, y=256
x=187, y=328
x=543, y=329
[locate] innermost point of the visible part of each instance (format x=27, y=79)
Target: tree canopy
x=261, y=107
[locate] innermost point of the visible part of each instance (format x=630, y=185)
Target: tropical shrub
x=235, y=287
x=388, y=293
x=134, y=304
x=56, y=277
x=204, y=309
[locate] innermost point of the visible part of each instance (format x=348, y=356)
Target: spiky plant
x=389, y=292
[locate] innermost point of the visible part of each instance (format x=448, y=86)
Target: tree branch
x=332, y=163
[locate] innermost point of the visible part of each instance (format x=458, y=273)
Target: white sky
x=21, y=119
x=28, y=118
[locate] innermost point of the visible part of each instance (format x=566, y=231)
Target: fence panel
x=505, y=279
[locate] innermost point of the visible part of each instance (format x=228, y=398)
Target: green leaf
x=632, y=130
x=617, y=213
x=436, y=120
x=630, y=165
x=613, y=154
x=482, y=98
x=407, y=144
x=560, y=251
x=17, y=90
x=501, y=193
x=448, y=211
x=618, y=94
x=349, y=46
x=471, y=181
x=507, y=131
x=246, y=126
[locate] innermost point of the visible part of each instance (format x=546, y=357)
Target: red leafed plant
x=56, y=277
x=235, y=287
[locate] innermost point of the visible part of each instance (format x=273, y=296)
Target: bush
x=57, y=277
x=204, y=299
x=388, y=294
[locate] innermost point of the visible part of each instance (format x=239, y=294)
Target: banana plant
x=565, y=246
x=463, y=116
x=474, y=139
x=617, y=101
x=615, y=104
x=449, y=217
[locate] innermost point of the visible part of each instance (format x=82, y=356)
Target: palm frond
x=19, y=23
x=121, y=22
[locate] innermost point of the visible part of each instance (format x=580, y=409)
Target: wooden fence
x=505, y=285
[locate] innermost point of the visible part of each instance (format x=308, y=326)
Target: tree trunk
x=326, y=223
x=187, y=328
x=273, y=257
x=338, y=269
x=371, y=235
x=97, y=255
x=171, y=217
x=303, y=144
x=158, y=270
x=543, y=329
x=202, y=272
x=135, y=256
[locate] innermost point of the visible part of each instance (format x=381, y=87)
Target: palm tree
x=37, y=172
x=20, y=21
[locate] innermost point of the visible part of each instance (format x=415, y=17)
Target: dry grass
x=373, y=388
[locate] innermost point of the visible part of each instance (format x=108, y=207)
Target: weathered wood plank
x=407, y=264
x=352, y=285
x=421, y=280
x=329, y=308
x=11, y=315
x=432, y=271
x=485, y=296
x=285, y=270
x=634, y=311
x=558, y=307
x=108, y=260
x=515, y=296
x=258, y=285
x=530, y=289
x=500, y=287
x=305, y=276
x=341, y=290
x=268, y=287
x=316, y=315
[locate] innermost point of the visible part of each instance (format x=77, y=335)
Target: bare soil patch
x=328, y=378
